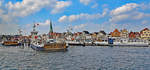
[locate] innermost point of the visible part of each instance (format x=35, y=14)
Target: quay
x=106, y=44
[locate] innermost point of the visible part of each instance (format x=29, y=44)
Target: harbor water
x=76, y=58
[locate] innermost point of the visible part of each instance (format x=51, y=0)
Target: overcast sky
x=91, y=15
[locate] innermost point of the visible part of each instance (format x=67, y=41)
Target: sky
x=90, y=15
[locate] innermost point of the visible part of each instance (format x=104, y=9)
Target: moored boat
x=10, y=43
x=49, y=46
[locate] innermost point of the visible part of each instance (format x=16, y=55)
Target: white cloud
x=82, y=16
x=27, y=7
x=46, y=23
x=128, y=13
x=95, y=5
x=85, y=2
x=60, y=5
x=81, y=26
x=124, y=8
x=10, y=12
x=91, y=27
x=118, y=18
x=9, y=28
x=63, y=18
x=145, y=22
x=0, y=3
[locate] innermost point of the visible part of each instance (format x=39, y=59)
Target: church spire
x=51, y=27
x=50, y=30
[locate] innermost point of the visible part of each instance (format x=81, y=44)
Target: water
x=76, y=58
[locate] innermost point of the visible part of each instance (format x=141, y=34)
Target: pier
x=106, y=44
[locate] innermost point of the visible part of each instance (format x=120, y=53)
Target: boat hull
x=50, y=47
x=11, y=43
x=37, y=48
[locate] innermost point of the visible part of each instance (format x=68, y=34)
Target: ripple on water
x=76, y=58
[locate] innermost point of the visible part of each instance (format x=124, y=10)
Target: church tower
x=51, y=30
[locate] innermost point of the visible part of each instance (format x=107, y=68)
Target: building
x=132, y=35
x=124, y=33
x=85, y=32
x=101, y=36
x=115, y=33
x=137, y=35
x=94, y=35
x=145, y=34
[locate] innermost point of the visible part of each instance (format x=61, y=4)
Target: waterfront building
x=115, y=33
x=137, y=35
x=85, y=32
x=101, y=33
x=101, y=36
x=145, y=34
x=132, y=35
x=86, y=35
x=94, y=36
x=124, y=33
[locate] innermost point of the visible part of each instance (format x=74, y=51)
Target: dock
x=106, y=44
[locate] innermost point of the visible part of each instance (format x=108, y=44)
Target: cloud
x=129, y=13
x=95, y=5
x=0, y=3
x=63, y=18
x=27, y=7
x=125, y=8
x=82, y=16
x=85, y=2
x=118, y=18
x=60, y=5
x=10, y=12
x=6, y=17
x=46, y=23
x=9, y=29
x=81, y=26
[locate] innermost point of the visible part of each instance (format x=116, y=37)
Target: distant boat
x=50, y=45
x=11, y=43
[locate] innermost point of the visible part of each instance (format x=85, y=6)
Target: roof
x=103, y=32
x=116, y=30
x=145, y=29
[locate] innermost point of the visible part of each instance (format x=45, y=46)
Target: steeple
x=51, y=28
